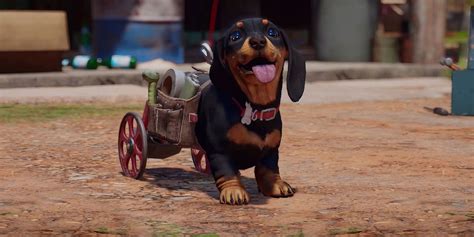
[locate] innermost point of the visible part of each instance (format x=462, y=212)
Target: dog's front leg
x=268, y=177
x=231, y=190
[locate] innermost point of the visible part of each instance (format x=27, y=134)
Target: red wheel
x=132, y=145
x=201, y=163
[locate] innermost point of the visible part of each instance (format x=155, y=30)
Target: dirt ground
x=366, y=168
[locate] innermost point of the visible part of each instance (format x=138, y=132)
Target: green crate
x=462, y=94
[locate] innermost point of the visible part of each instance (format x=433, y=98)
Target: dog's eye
x=272, y=32
x=236, y=35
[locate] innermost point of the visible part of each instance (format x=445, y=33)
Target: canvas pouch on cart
x=174, y=119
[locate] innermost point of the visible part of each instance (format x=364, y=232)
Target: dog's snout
x=257, y=42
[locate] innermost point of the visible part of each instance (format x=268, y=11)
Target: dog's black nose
x=257, y=42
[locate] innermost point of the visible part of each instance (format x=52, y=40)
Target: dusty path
x=362, y=167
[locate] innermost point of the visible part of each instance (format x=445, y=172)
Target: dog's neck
x=240, y=98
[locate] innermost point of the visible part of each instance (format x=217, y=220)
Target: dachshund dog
x=239, y=120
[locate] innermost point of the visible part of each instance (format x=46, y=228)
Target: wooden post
x=428, y=30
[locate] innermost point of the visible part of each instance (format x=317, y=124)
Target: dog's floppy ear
x=219, y=71
x=296, y=75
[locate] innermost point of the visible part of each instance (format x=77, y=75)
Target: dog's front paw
x=279, y=188
x=234, y=196
x=270, y=183
x=232, y=191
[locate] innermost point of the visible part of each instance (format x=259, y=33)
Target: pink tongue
x=264, y=73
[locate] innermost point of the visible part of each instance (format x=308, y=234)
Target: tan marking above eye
x=265, y=21
x=239, y=24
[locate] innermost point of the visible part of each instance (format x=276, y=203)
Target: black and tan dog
x=239, y=120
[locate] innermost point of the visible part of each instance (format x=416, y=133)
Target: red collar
x=262, y=115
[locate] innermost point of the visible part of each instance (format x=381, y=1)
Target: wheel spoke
x=136, y=135
x=197, y=163
x=201, y=163
x=126, y=159
x=121, y=150
x=137, y=152
x=130, y=127
x=139, y=142
x=138, y=148
x=134, y=164
x=123, y=136
x=132, y=173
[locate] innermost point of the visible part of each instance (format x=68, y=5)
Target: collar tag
x=247, y=118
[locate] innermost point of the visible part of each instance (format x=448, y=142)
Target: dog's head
x=250, y=58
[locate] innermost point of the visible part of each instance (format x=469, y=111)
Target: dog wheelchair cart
x=165, y=127
x=167, y=123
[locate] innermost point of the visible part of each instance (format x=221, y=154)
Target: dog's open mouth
x=263, y=69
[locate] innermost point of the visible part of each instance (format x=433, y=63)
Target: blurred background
x=325, y=30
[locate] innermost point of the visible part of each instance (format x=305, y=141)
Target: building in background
x=328, y=30
x=146, y=29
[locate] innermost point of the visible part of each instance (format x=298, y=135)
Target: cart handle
x=152, y=78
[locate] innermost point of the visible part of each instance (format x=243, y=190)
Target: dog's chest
x=238, y=134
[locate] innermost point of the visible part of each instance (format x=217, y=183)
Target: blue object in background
x=470, y=59
x=462, y=96
x=344, y=29
x=462, y=92
x=144, y=40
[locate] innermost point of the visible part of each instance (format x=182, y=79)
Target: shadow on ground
x=176, y=179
